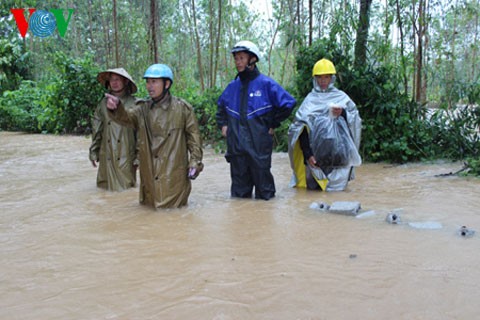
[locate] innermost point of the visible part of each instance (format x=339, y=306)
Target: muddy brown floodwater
x=71, y=251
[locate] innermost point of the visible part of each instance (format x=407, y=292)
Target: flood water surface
x=72, y=251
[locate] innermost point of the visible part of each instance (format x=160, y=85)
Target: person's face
x=155, y=87
x=242, y=59
x=324, y=80
x=117, y=83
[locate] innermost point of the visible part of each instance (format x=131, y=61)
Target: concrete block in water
x=466, y=232
x=350, y=208
x=322, y=206
x=393, y=218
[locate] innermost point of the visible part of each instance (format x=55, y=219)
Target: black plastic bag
x=331, y=142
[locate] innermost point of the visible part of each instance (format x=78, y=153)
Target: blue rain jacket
x=250, y=107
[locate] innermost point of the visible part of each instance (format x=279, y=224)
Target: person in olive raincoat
x=169, y=141
x=325, y=135
x=249, y=109
x=113, y=146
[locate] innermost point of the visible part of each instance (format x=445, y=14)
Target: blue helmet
x=159, y=71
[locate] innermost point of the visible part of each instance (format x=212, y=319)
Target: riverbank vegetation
x=413, y=72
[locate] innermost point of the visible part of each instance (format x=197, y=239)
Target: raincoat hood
x=330, y=87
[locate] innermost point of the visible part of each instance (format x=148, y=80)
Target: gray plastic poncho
x=334, y=141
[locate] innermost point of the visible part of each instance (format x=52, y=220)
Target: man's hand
x=192, y=173
x=336, y=111
x=94, y=163
x=112, y=101
x=224, y=131
x=312, y=161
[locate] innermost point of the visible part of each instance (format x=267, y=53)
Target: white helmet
x=247, y=46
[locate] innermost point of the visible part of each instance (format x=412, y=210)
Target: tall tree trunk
x=106, y=39
x=451, y=62
x=90, y=24
x=299, y=30
x=115, y=29
x=362, y=34
x=420, y=95
x=299, y=21
x=198, y=47
x=153, y=30
x=415, y=44
x=211, y=39
x=78, y=41
x=474, y=50
x=310, y=22
x=426, y=44
x=217, y=42
x=403, y=59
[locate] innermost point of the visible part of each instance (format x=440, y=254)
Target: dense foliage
x=15, y=64
x=63, y=103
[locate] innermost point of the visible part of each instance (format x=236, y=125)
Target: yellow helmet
x=323, y=66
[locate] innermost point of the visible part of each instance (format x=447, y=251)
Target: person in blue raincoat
x=249, y=109
x=324, y=138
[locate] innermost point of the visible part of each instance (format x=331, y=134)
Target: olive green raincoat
x=169, y=143
x=113, y=146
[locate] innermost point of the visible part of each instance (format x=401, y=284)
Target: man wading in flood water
x=249, y=110
x=169, y=141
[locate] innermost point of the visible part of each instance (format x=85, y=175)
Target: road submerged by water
x=72, y=251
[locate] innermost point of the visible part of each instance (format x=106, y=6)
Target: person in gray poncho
x=324, y=137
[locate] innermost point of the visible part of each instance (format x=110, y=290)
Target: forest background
x=411, y=66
